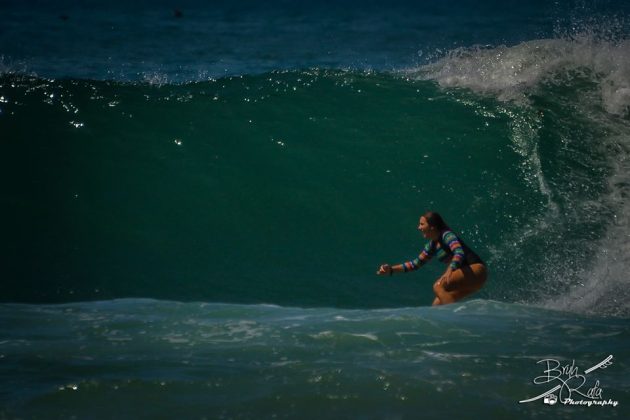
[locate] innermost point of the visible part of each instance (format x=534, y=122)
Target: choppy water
x=226, y=360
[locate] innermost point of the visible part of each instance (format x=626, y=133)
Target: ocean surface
x=196, y=197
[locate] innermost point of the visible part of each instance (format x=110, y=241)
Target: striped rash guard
x=448, y=248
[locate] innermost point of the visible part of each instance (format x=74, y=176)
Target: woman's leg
x=441, y=296
x=464, y=282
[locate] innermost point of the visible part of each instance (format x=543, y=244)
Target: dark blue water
x=146, y=41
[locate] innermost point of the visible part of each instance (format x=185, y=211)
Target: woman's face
x=427, y=230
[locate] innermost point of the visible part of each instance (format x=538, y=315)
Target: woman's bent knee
x=437, y=287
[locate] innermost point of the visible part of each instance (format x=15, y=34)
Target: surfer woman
x=466, y=272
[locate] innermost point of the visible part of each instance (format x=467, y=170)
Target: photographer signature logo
x=571, y=386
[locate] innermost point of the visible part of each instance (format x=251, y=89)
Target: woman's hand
x=445, y=280
x=384, y=269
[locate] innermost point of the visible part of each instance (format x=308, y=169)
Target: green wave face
x=290, y=188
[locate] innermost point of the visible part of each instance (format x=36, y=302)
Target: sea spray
x=587, y=75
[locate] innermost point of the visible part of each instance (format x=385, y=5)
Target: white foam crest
x=511, y=73
x=155, y=78
x=10, y=66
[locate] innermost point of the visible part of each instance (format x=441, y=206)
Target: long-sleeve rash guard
x=447, y=247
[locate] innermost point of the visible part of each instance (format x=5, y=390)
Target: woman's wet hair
x=434, y=219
